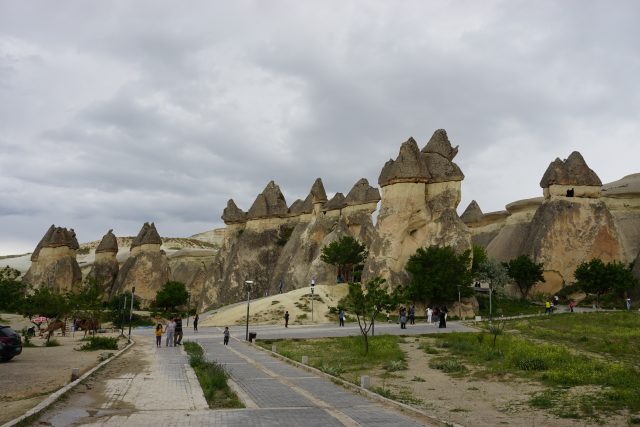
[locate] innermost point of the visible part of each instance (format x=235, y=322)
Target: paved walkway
x=166, y=392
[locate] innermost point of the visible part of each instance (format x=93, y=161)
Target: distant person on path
x=159, y=335
x=195, y=322
x=226, y=334
x=402, y=318
x=280, y=286
x=341, y=317
x=547, y=307
x=286, y=319
x=412, y=315
x=628, y=304
x=571, y=305
x=443, y=317
x=429, y=315
x=178, y=337
x=170, y=331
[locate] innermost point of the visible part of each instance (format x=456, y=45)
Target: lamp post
x=133, y=292
x=313, y=288
x=248, y=284
x=459, y=305
x=490, y=305
x=124, y=308
x=188, y=307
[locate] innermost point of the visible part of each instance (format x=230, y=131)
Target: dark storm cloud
x=116, y=113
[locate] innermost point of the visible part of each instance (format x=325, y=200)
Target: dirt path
x=39, y=371
x=469, y=401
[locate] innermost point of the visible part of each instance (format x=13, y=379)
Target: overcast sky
x=114, y=113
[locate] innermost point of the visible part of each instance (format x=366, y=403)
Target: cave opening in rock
x=570, y=192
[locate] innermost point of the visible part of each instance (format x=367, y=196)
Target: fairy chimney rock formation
x=335, y=205
x=317, y=192
x=232, y=214
x=407, y=167
x=54, y=262
x=301, y=207
x=473, y=214
x=362, y=194
x=147, y=269
x=570, y=178
x=105, y=267
x=438, y=157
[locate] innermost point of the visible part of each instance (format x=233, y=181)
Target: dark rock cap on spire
x=336, y=202
x=300, y=207
x=472, y=214
x=109, y=243
x=317, y=192
x=56, y=237
x=43, y=242
x=148, y=235
x=407, y=167
x=269, y=204
x=232, y=214
x=362, y=193
x=438, y=155
x=573, y=171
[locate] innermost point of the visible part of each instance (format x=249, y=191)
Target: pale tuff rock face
x=622, y=197
x=362, y=193
x=147, y=268
x=472, y=213
x=269, y=204
x=105, y=267
x=233, y=215
x=54, y=261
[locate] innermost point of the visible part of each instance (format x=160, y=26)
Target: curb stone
x=56, y=395
x=359, y=390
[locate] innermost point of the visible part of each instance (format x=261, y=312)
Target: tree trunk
x=366, y=344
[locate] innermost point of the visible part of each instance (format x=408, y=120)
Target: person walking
x=341, y=317
x=443, y=317
x=195, y=323
x=412, y=315
x=280, y=286
x=226, y=334
x=628, y=301
x=572, y=304
x=178, y=337
x=402, y=318
x=286, y=319
x=429, y=315
x=159, y=335
x=170, y=331
x=547, y=307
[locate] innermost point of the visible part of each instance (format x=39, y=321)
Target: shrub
x=448, y=365
x=335, y=370
x=531, y=364
x=395, y=365
x=53, y=343
x=100, y=343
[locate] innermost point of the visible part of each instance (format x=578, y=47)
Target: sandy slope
x=270, y=309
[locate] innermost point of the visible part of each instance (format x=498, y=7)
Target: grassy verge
x=607, y=333
x=100, y=343
x=503, y=306
x=344, y=357
x=579, y=385
x=213, y=379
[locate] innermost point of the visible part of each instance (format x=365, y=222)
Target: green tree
x=86, y=303
x=172, y=295
x=118, y=312
x=366, y=301
x=494, y=273
x=437, y=274
x=596, y=277
x=12, y=291
x=479, y=256
x=346, y=254
x=525, y=273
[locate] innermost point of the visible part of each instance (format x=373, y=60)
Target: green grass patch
x=213, y=379
x=52, y=343
x=503, y=306
x=602, y=386
x=344, y=356
x=448, y=365
x=427, y=348
x=100, y=343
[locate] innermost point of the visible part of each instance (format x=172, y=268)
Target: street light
x=133, y=293
x=248, y=284
x=313, y=288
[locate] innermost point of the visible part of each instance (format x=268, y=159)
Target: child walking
x=226, y=335
x=159, y=335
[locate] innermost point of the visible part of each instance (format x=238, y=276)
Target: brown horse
x=51, y=327
x=87, y=325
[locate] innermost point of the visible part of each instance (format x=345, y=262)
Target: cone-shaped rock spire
x=317, y=192
x=573, y=171
x=362, y=193
x=336, y=202
x=148, y=235
x=270, y=203
x=109, y=243
x=232, y=214
x=438, y=155
x=407, y=167
x=473, y=213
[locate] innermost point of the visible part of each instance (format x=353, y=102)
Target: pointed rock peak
x=573, y=171
x=408, y=166
x=148, y=235
x=109, y=243
x=270, y=203
x=439, y=144
x=473, y=213
x=43, y=242
x=336, y=202
x=317, y=192
x=232, y=214
x=362, y=193
x=300, y=207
